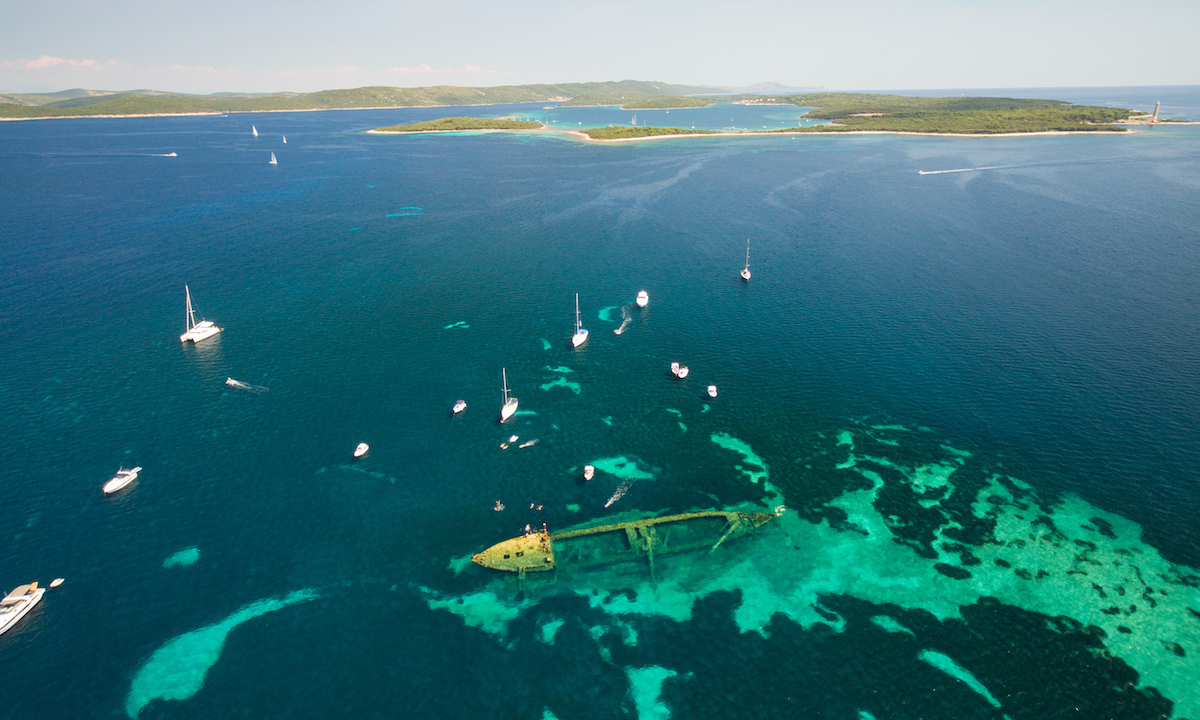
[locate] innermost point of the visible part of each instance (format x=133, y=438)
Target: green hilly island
x=846, y=112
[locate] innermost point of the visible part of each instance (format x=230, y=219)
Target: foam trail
x=958, y=170
x=245, y=386
x=626, y=318
x=621, y=490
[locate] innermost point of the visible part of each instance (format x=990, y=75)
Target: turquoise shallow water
x=975, y=392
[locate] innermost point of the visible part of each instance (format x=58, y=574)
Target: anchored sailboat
x=581, y=333
x=196, y=331
x=510, y=403
x=746, y=270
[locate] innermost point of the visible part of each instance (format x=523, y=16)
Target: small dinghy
x=675, y=369
x=361, y=450
x=712, y=390
x=588, y=472
x=683, y=372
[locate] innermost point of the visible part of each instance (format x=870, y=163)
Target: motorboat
x=18, y=603
x=196, y=331
x=361, y=449
x=746, y=270
x=510, y=403
x=683, y=372
x=588, y=471
x=581, y=333
x=460, y=406
x=675, y=369
x=712, y=390
x=120, y=480
x=643, y=299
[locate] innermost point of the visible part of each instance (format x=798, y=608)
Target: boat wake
x=256, y=389
x=621, y=490
x=626, y=318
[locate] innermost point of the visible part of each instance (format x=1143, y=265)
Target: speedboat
x=121, y=479
x=675, y=369
x=643, y=299
x=683, y=372
x=712, y=390
x=361, y=449
x=588, y=472
x=460, y=406
x=17, y=603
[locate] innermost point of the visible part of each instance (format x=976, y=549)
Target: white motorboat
x=460, y=406
x=196, y=331
x=683, y=372
x=588, y=472
x=675, y=369
x=510, y=403
x=17, y=604
x=361, y=449
x=746, y=270
x=273, y=160
x=712, y=390
x=643, y=299
x=254, y=131
x=581, y=333
x=120, y=480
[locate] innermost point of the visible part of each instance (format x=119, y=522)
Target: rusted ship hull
x=621, y=542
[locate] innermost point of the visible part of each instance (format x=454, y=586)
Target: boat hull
x=202, y=331
x=121, y=480
x=509, y=408
x=10, y=617
x=579, y=338
x=643, y=299
x=621, y=542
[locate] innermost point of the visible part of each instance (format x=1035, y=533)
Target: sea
x=965, y=373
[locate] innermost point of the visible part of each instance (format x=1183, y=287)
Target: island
x=460, y=124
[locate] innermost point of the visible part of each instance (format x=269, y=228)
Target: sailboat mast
x=189, y=320
x=504, y=373
x=747, y=253
x=577, y=312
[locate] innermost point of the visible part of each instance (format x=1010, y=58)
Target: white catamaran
x=196, y=331
x=581, y=333
x=510, y=403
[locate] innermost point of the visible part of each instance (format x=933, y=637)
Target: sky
x=305, y=45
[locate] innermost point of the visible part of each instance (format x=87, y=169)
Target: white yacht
x=460, y=406
x=510, y=403
x=746, y=270
x=254, y=131
x=712, y=390
x=273, y=160
x=120, y=480
x=285, y=139
x=17, y=603
x=643, y=299
x=361, y=449
x=581, y=333
x=683, y=372
x=196, y=331
x=675, y=369
x=588, y=471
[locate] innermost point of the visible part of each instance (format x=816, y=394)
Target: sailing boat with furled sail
x=746, y=270
x=510, y=403
x=196, y=331
x=581, y=333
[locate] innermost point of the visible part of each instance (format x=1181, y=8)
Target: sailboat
x=285, y=139
x=510, y=403
x=746, y=270
x=273, y=160
x=633, y=121
x=581, y=333
x=254, y=131
x=196, y=331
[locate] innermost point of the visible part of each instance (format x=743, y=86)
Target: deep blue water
x=1034, y=327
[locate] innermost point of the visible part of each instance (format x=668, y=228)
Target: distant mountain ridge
x=147, y=102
